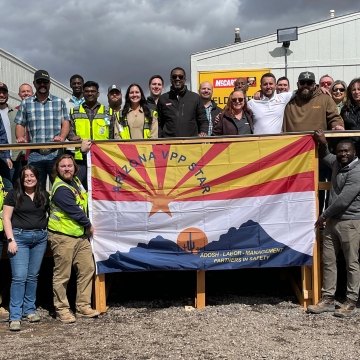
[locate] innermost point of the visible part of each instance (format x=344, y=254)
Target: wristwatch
x=10, y=240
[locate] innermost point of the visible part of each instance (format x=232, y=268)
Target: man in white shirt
x=268, y=111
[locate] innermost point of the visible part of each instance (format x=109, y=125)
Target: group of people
x=31, y=218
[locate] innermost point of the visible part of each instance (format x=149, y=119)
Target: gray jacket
x=344, y=201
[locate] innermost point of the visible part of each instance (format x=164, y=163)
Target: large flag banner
x=204, y=206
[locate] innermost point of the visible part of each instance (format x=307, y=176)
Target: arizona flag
x=213, y=205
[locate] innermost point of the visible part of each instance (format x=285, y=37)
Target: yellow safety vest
x=2, y=196
x=124, y=131
x=97, y=129
x=59, y=221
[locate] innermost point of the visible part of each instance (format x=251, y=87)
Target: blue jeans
x=44, y=164
x=25, y=267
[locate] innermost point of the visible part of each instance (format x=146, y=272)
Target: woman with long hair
x=338, y=93
x=25, y=220
x=137, y=120
x=351, y=110
x=236, y=118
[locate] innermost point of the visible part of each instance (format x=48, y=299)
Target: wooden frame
x=307, y=292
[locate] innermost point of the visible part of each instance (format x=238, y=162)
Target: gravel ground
x=234, y=328
x=250, y=314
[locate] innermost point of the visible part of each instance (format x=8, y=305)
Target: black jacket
x=181, y=115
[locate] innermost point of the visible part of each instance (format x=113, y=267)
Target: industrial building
x=330, y=47
x=14, y=72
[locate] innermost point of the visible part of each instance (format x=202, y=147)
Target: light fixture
x=284, y=36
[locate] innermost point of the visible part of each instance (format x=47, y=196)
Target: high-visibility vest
x=59, y=221
x=2, y=196
x=97, y=129
x=124, y=129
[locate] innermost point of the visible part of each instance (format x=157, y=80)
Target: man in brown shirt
x=311, y=109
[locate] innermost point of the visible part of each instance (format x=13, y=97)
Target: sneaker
x=66, y=317
x=15, y=325
x=347, y=309
x=326, y=304
x=87, y=311
x=4, y=314
x=35, y=317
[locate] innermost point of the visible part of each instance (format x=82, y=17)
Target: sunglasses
x=176, y=76
x=42, y=81
x=325, y=83
x=306, y=82
x=339, y=90
x=235, y=100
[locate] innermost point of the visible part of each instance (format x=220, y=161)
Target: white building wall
x=328, y=47
x=14, y=72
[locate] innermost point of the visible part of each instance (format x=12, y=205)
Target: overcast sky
x=125, y=41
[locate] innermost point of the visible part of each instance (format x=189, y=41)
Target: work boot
x=4, y=314
x=87, y=311
x=347, y=309
x=326, y=304
x=15, y=325
x=65, y=316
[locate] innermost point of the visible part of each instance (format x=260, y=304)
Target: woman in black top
x=25, y=221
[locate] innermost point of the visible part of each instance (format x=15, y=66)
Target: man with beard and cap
x=311, y=109
x=114, y=100
x=181, y=112
x=156, y=85
x=211, y=109
x=46, y=119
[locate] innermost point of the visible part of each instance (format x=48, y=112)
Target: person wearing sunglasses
x=311, y=109
x=235, y=119
x=351, y=110
x=181, y=111
x=326, y=82
x=338, y=93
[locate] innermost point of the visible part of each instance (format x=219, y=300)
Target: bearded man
x=311, y=109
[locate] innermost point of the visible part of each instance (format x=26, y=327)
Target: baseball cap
x=307, y=75
x=41, y=74
x=114, y=87
x=3, y=86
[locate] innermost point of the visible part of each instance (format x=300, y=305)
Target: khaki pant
x=345, y=235
x=68, y=252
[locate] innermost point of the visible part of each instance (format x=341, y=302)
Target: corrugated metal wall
x=328, y=47
x=14, y=72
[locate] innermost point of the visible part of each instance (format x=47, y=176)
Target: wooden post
x=200, y=289
x=99, y=293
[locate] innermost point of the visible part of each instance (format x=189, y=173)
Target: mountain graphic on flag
x=247, y=247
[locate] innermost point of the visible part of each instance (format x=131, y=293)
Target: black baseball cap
x=41, y=74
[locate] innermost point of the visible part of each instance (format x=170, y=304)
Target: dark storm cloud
x=114, y=41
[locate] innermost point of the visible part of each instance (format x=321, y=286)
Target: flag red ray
x=295, y=183
x=132, y=154
x=100, y=159
x=300, y=146
x=105, y=191
x=214, y=151
x=161, y=160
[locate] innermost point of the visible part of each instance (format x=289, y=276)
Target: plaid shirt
x=43, y=120
x=208, y=115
